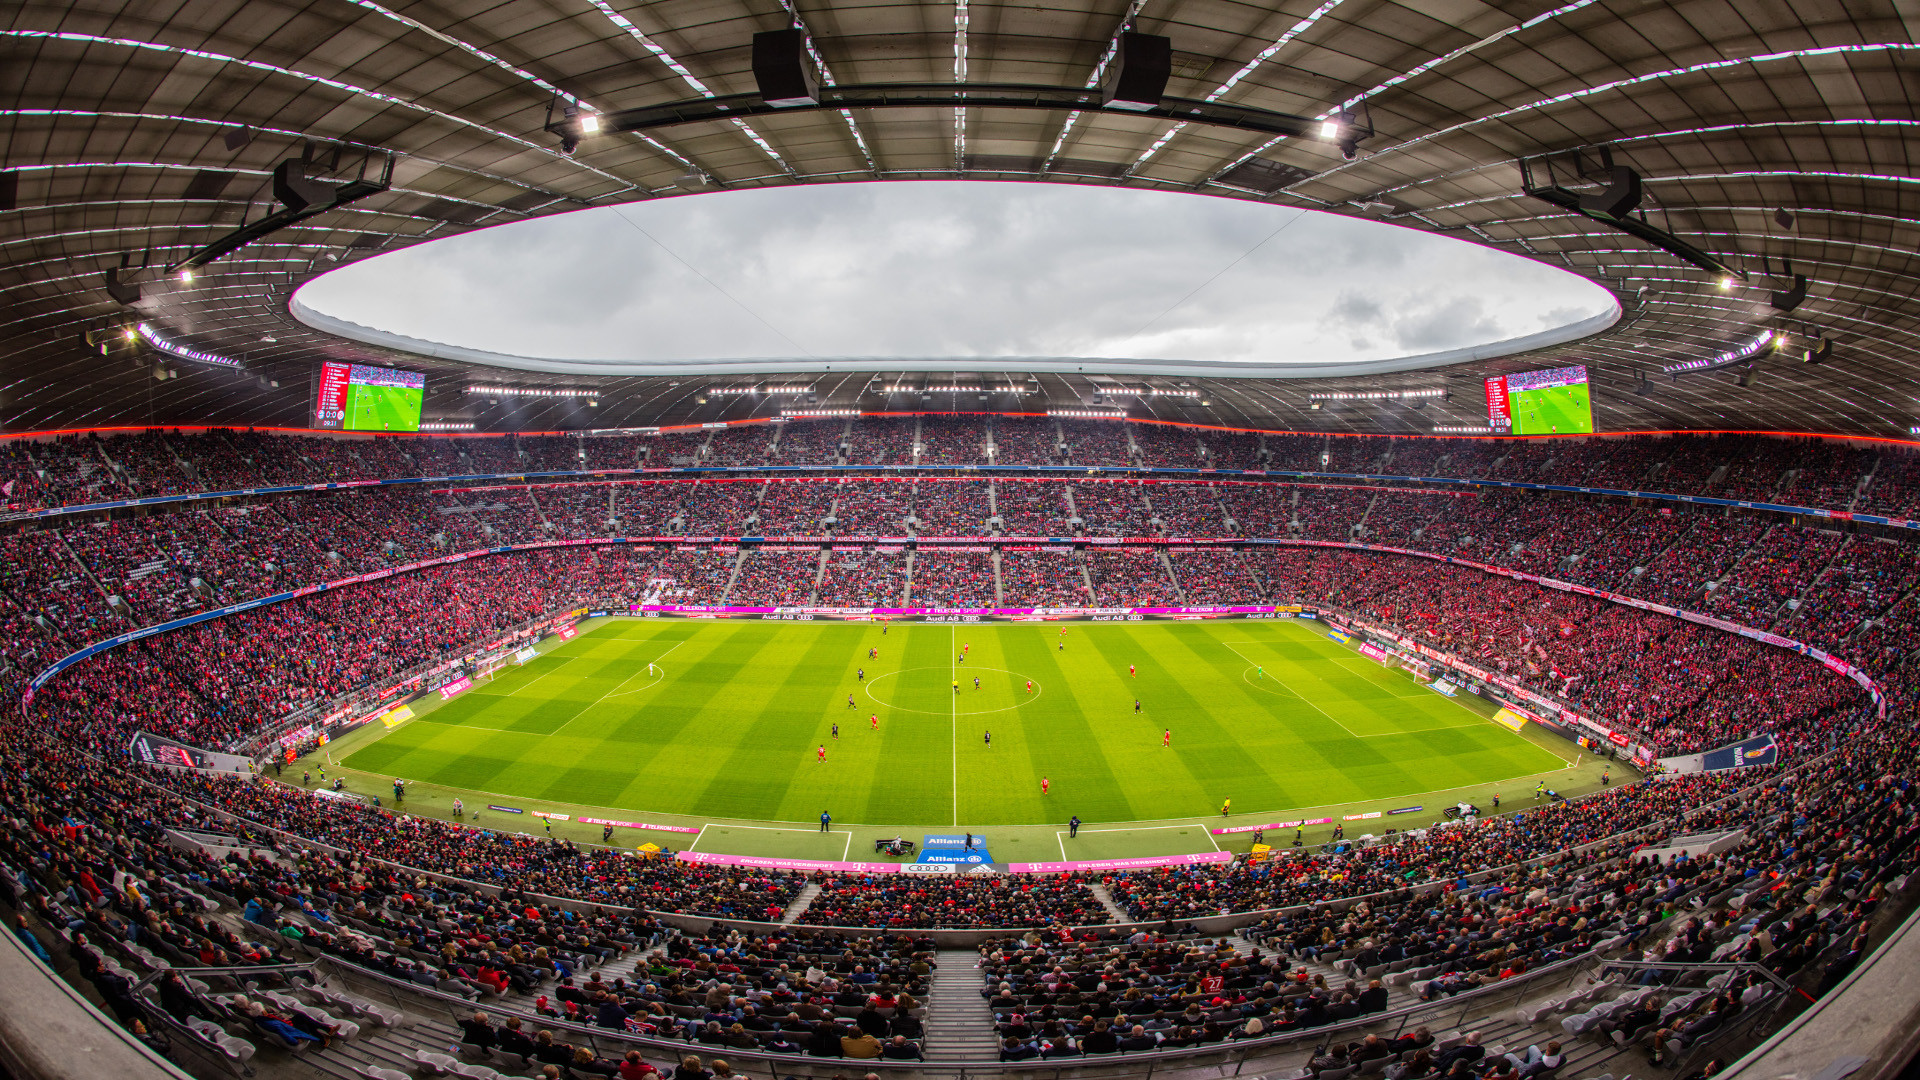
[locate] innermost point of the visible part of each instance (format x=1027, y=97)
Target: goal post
x=488, y=668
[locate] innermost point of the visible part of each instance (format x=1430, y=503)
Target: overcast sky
x=955, y=269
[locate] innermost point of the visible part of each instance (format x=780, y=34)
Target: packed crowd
x=1044, y=578
x=1130, y=579
x=911, y=902
x=75, y=469
x=951, y=579
x=1681, y=686
x=94, y=867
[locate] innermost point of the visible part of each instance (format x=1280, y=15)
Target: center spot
x=930, y=690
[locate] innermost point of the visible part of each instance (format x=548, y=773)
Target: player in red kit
x=874, y=719
x=1044, y=785
x=1166, y=739
x=1132, y=672
x=1029, y=686
x=820, y=755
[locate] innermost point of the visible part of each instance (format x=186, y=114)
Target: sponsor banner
x=1272, y=825
x=1759, y=750
x=1202, y=859
x=397, y=715
x=1340, y=636
x=1361, y=817
x=1511, y=719
x=1405, y=810
x=568, y=633
x=709, y=858
x=525, y=655
x=552, y=816
x=1373, y=652
x=953, y=848
x=453, y=689
x=639, y=825
x=1337, y=628
x=506, y=809
x=596, y=614
x=1444, y=686
x=929, y=868
x=296, y=736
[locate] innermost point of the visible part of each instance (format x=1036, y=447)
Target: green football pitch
x=719, y=723
x=1559, y=410
x=385, y=408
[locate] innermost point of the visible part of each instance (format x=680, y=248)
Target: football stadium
x=1320, y=540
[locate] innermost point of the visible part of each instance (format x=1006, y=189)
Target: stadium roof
x=1763, y=134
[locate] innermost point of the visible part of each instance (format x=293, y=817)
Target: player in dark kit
x=989, y=740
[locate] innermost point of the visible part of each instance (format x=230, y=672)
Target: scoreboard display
x=361, y=397
x=1556, y=401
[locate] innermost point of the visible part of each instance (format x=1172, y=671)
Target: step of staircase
x=800, y=904
x=620, y=967
x=959, y=1024
x=1101, y=894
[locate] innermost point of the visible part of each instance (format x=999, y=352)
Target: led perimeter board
x=360, y=397
x=1551, y=402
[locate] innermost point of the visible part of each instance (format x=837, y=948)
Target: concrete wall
x=48, y=1031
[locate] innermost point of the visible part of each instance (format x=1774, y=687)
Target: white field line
x=589, y=705
x=1303, y=698
x=953, y=719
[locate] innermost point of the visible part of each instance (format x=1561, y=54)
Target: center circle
x=964, y=674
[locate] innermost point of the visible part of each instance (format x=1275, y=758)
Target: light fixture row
x=174, y=348
x=1765, y=339
x=531, y=391
x=954, y=388
x=1376, y=395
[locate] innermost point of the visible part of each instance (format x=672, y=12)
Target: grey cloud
x=927, y=269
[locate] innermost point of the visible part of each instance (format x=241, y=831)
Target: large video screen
x=1551, y=402
x=360, y=397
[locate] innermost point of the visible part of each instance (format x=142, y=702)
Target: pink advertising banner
x=706, y=858
x=1201, y=859
x=1273, y=825
x=640, y=825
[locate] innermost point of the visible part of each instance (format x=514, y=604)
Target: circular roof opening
x=984, y=276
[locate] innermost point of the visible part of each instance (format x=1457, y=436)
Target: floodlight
x=1329, y=129
x=186, y=275
x=589, y=123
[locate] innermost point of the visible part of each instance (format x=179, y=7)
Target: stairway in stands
x=959, y=1024
x=800, y=904
x=1101, y=894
